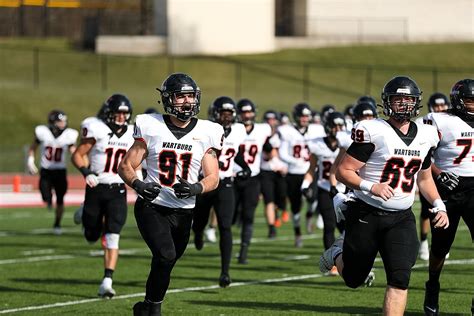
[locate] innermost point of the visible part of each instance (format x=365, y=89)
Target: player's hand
x=340, y=201
x=308, y=192
x=448, y=180
x=183, y=189
x=221, y=165
x=92, y=180
x=148, y=191
x=32, y=169
x=244, y=174
x=333, y=191
x=441, y=219
x=383, y=190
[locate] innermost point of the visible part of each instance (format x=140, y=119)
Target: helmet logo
x=246, y=108
x=306, y=111
x=403, y=90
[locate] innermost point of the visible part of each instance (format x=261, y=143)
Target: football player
x=247, y=186
x=55, y=140
x=272, y=175
x=324, y=151
x=349, y=116
x=382, y=165
x=105, y=140
x=437, y=102
x=453, y=169
x=294, y=152
x=176, y=146
x=223, y=198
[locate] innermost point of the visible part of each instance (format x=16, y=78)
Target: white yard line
x=186, y=289
x=36, y=259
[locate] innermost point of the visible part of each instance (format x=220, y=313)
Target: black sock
x=108, y=273
x=434, y=276
x=423, y=237
x=271, y=228
x=298, y=231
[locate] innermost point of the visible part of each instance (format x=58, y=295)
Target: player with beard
x=382, y=165
x=247, y=186
x=105, y=141
x=176, y=146
x=55, y=139
x=222, y=199
x=453, y=169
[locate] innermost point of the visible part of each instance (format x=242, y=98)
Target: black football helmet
x=401, y=86
x=349, y=111
x=364, y=109
x=316, y=117
x=461, y=90
x=246, y=105
x=367, y=99
x=176, y=84
x=438, y=98
x=270, y=114
x=284, y=118
x=299, y=110
x=333, y=120
x=114, y=104
x=54, y=117
x=325, y=110
x=151, y=110
x=221, y=104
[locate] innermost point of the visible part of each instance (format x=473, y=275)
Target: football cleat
x=198, y=240
x=326, y=261
x=105, y=288
x=57, y=230
x=277, y=223
x=224, y=280
x=146, y=309
x=78, y=215
x=210, y=234
x=424, y=252
x=243, y=254
x=285, y=217
x=430, y=305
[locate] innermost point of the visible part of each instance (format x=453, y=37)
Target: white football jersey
x=270, y=164
x=230, y=148
x=53, y=149
x=108, y=150
x=253, y=145
x=171, y=155
x=393, y=160
x=455, y=152
x=326, y=157
x=344, y=139
x=294, y=149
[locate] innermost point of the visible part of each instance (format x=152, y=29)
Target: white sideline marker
x=186, y=289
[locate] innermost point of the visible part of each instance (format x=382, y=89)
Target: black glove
x=308, y=192
x=183, y=189
x=244, y=174
x=149, y=191
x=86, y=171
x=333, y=191
x=448, y=180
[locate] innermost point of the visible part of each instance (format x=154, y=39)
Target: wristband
x=438, y=203
x=306, y=183
x=85, y=171
x=366, y=185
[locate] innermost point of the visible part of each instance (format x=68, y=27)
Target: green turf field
x=39, y=269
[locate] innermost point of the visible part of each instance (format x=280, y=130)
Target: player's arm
x=309, y=175
x=428, y=189
x=284, y=152
x=72, y=148
x=132, y=161
x=335, y=165
x=30, y=162
x=82, y=150
x=347, y=172
x=210, y=170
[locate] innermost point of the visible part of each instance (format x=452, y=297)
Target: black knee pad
x=399, y=279
x=92, y=235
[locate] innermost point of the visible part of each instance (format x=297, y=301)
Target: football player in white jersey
x=437, y=102
x=382, y=165
x=272, y=172
x=454, y=172
x=105, y=140
x=324, y=151
x=294, y=152
x=223, y=198
x=55, y=140
x=176, y=146
x=247, y=186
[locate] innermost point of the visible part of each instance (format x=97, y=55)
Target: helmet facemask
x=407, y=106
x=182, y=104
